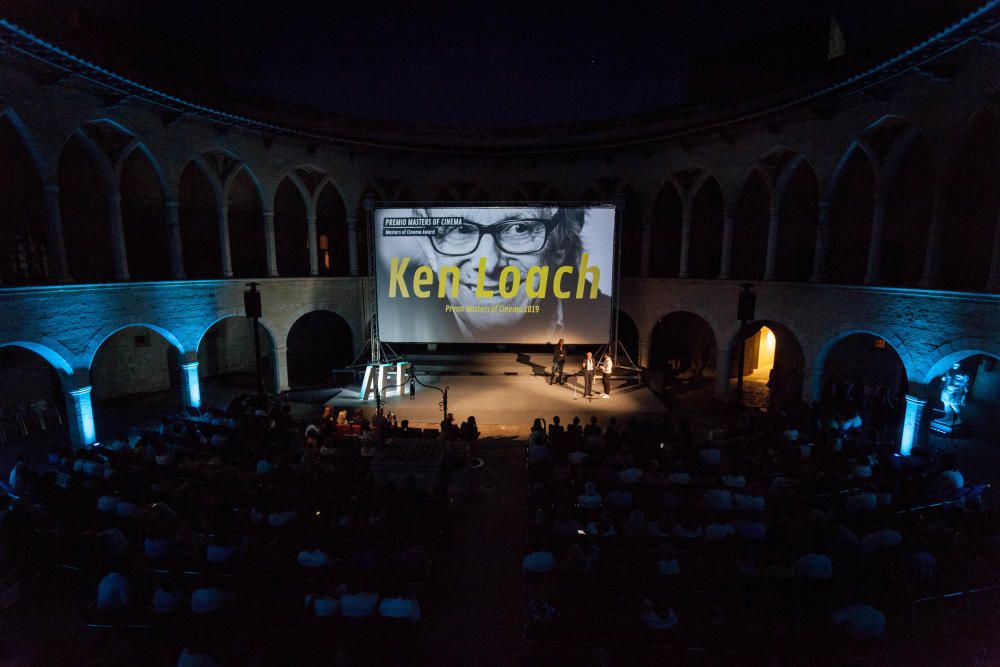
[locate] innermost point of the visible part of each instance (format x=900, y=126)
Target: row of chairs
x=24, y=418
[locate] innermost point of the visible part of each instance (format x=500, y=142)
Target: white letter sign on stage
x=384, y=378
x=374, y=380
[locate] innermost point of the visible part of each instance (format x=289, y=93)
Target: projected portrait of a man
x=504, y=275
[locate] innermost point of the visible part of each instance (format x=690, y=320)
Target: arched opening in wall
x=772, y=368
x=135, y=376
x=797, y=226
x=23, y=240
x=30, y=395
x=682, y=349
x=628, y=337
x=199, y=215
x=973, y=208
x=226, y=362
x=630, y=239
x=863, y=372
x=331, y=232
x=705, y=245
x=750, y=228
x=147, y=245
x=318, y=343
x=291, y=230
x=665, y=236
x=852, y=206
x=909, y=206
x=964, y=405
x=248, y=249
x=83, y=205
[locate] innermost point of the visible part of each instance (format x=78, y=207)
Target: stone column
x=313, y=244
x=352, y=243
x=911, y=423
x=119, y=256
x=993, y=284
x=227, y=255
x=685, y=240
x=174, y=237
x=874, y=272
x=80, y=417
x=55, y=241
x=645, y=248
x=813, y=386
x=721, y=388
x=771, y=258
x=819, y=273
x=271, y=248
x=281, y=368
x=727, y=248
x=190, y=385
x=930, y=277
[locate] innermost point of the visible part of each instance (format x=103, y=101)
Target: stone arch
x=941, y=359
x=908, y=182
x=131, y=360
x=293, y=204
x=972, y=197
x=796, y=199
x=83, y=179
x=683, y=344
x=820, y=375
x=199, y=198
x=98, y=340
x=317, y=341
x=666, y=232
x=42, y=170
x=751, y=218
x=225, y=347
x=705, y=245
x=851, y=195
x=330, y=181
x=57, y=360
x=143, y=210
x=979, y=410
x=24, y=251
x=247, y=240
x=788, y=365
x=331, y=231
x=29, y=373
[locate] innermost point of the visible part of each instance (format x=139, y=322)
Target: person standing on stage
x=558, y=361
x=606, y=368
x=589, y=366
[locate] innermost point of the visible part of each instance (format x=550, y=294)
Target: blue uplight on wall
x=193, y=387
x=85, y=414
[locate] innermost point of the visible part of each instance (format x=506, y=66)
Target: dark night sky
x=476, y=63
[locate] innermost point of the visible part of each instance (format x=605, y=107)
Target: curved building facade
x=866, y=206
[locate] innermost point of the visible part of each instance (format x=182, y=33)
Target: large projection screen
x=495, y=274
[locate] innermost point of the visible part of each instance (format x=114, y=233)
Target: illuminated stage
x=509, y=400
